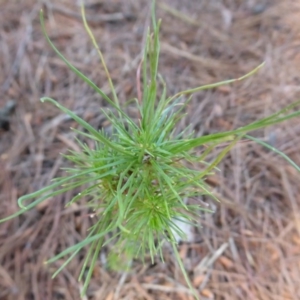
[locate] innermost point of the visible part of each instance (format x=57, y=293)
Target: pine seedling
x=138, y=178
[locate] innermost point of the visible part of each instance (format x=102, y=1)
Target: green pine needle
x=138, y=178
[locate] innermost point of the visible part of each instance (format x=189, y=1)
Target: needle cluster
x=137, y=179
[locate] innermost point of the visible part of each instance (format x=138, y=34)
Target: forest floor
x=250, y=247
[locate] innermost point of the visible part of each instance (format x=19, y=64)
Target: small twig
x=91, y=19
